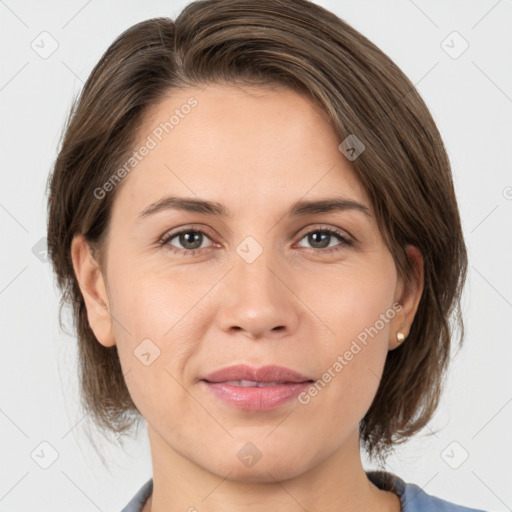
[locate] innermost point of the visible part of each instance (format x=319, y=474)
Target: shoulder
x=416, y=499
x=140, y=498
x=413, y=498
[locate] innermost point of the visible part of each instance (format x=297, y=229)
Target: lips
x=255, y=389
x=253, y=383
x=246, y=376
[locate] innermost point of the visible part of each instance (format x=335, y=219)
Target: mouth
x=254, y=383
x=257, y=389
x=242, y=374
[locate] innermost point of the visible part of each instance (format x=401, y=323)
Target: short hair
x=404, y=169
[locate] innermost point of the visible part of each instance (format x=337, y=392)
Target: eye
x=320, y=239
x=190, y=239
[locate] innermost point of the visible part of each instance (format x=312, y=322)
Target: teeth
x=252, y=383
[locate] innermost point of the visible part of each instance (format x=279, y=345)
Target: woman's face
x=258, y=285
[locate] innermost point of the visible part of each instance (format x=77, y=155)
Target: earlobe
x=94, y=292
x=409, y=299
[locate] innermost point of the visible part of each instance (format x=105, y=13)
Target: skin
x=256, y=151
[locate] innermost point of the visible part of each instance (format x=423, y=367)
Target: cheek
x=352, y=298
x=155, y=342
x=357, y=306
x=153, y=299
x=159, y=323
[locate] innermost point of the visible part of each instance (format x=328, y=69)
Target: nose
x=258, y=299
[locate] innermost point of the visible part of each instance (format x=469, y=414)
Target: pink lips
x=264, y=388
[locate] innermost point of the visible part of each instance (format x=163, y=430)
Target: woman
x=253, y=216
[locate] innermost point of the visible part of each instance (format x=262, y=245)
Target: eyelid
x=326, y=227
x=187, y=227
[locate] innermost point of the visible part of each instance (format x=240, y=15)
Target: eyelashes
x=198, y=236
x=329, y=233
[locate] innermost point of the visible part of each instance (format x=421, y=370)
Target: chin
x=275, y=468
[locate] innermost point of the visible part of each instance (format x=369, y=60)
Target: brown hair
x=404, y=169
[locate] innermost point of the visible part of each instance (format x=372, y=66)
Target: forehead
x=251, y=147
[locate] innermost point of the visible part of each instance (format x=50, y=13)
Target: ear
x=408, y=297
x=92, y=285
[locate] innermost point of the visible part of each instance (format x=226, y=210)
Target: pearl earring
x=400, y=336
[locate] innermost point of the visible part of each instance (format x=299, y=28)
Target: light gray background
x=470, y=98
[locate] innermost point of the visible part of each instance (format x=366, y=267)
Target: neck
x=337, y=483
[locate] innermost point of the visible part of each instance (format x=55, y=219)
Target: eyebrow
x=297, y=209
